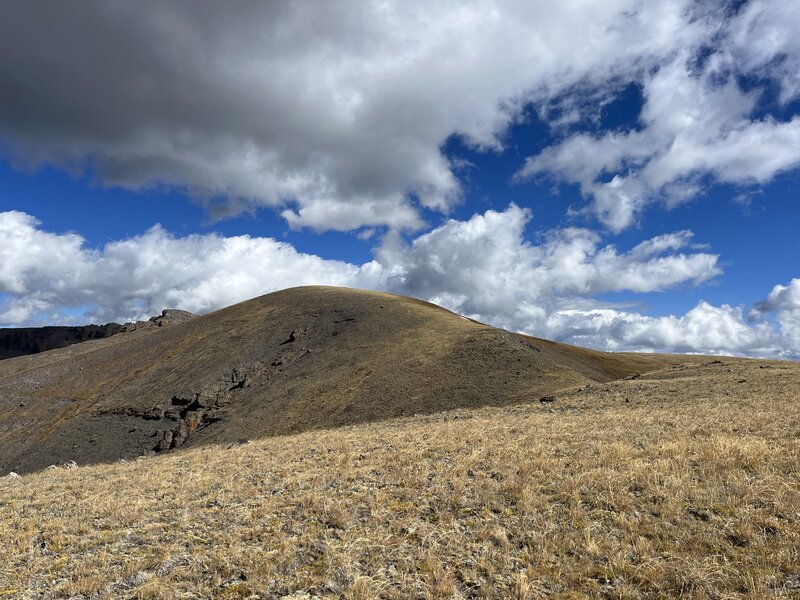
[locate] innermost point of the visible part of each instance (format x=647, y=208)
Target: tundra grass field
x=684, y=482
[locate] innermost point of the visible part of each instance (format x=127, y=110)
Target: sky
x=622, y=175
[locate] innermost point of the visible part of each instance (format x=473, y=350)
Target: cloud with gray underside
x=334, y=114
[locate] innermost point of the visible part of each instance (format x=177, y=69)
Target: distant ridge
x=32, y=340
x=21, y=341
x=299, y=359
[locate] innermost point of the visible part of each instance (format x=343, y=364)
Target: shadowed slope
x=300, y=359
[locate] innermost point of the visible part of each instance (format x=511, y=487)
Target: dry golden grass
x=685, y=482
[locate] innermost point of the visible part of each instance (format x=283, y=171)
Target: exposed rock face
x=202, y=408
x=168, y=316
x=171, y=316
x=31, y=340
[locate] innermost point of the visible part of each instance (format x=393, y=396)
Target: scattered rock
x=292, y=337
x=701, y=515
x=523, y=342
x=171, y=563
x=792, y=582
x=234, y=583
x=67, y=465
x=133, y=581
x=319, y=547
x=548, y=399
x=771, y=530
x=165, y=443
x=154, y=414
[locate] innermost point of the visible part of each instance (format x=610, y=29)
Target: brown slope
x=300, y=359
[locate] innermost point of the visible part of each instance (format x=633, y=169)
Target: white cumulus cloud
x=43, y=273
x=697, y=122
x=705, y=328
x=483, y=267
x=486, y=262
x=783, y=302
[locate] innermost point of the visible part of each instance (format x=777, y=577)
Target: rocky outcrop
x=168, y=316
x=201, y=409
x=190, y=412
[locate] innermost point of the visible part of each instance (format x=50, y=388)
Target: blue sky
x=634, y=191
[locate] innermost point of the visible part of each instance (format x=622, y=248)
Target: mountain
x=301, y=359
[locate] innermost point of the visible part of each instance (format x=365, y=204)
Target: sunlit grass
x=689, y=489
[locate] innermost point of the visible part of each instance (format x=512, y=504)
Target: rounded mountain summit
x=299, y=359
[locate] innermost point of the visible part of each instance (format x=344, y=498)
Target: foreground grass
x=689, y=488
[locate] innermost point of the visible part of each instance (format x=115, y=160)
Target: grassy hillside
x=297, y=360
x=684, y=482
